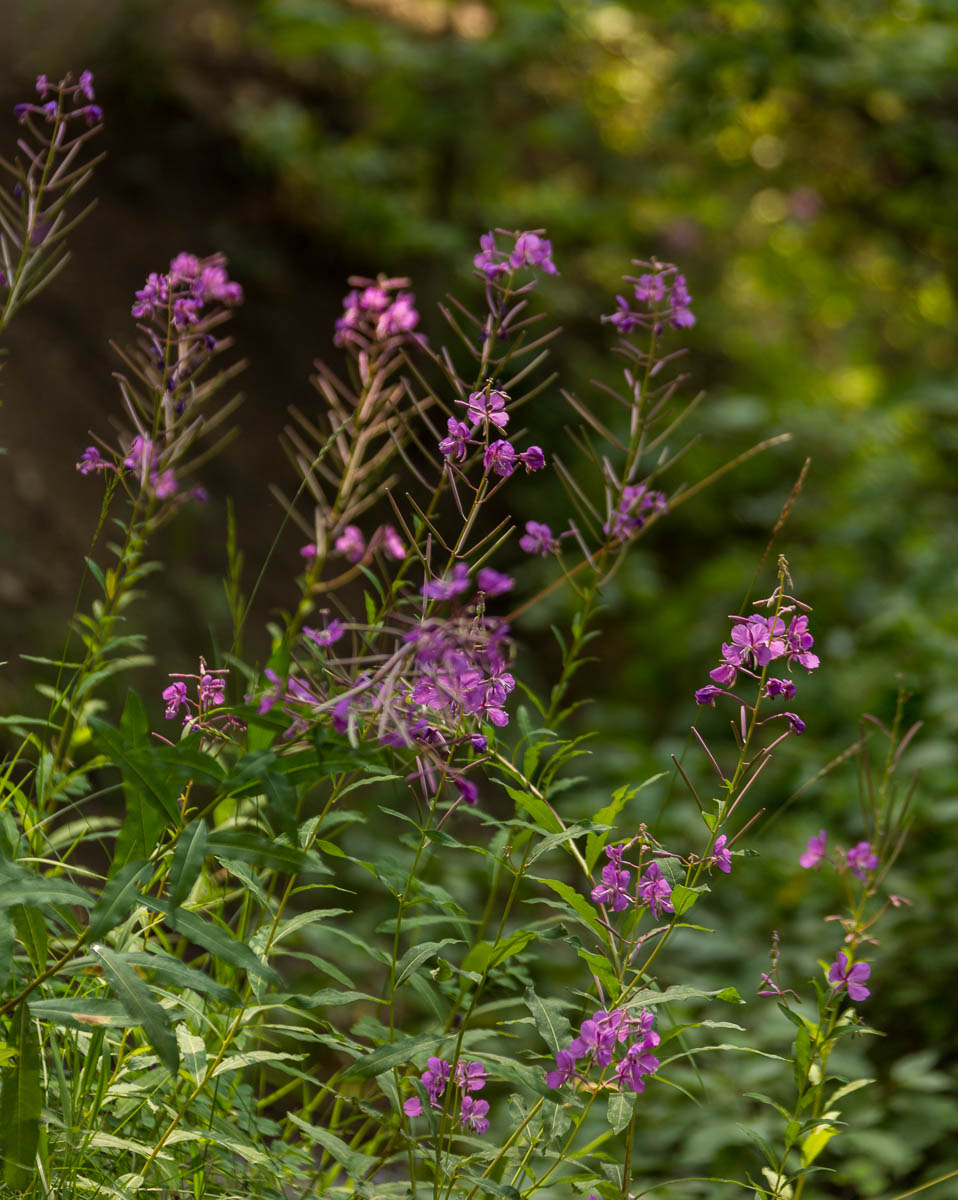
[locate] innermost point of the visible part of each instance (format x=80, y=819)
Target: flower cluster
x=375, y=312
x=635, y=506
x=599, y=1038
x=54, y=98
x=210, y=688
x=469, y=1077
x=665, y=297
x=652, y=889
x=860, y=859
x=530, y=249
x=756, y=642
x=486, y=417
x=177, y=310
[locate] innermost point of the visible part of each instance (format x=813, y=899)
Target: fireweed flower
x=614, y=888
x=212, y=691
x=175, y=696
x=636, y=503
x=500, y=457
x=721, y=856
x=377, y=314
x=815, y=851
x=473, y=1114
x=599, y=1037
x=708, y=694
x=779, y=687
x=392, y=543
x=850, y=976
x=470, y=1077
x=861, y=859
x=655, y=891
x=456, y=445
x=530, y=250
x=487, y=408
x=449, y=586
x=351, y=543
x=538, y=539
x=328, y=636
x=493, y=582
x=92, y=460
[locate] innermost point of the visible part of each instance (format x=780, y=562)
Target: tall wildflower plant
x=294, y=937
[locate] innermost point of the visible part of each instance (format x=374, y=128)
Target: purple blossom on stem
x=500, y=457
x=473, y=1114
x=392, y=543
x=470, y=1077
x=851, y=976
x=565, y=1069
x=531, y=250
x=92, y=460
x=456, y=445
x=799, y=642
x=175, y=696
x=538, y=539
x=815, y=851
x=449, y=586
x=212, y=691
x=493, y=582
x=795, y=723
x=351, y=543
x=779, y=687
x=861, y=858
x=532, y=459
x=721, y=855
x=328, y=636
x=708, y=694
x=655, y=891
x=487, y=408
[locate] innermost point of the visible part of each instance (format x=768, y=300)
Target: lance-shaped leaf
x=135, y=996
x=20, y=1101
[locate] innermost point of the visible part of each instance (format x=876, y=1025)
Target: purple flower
x=174, y=695
x=853, y=976
x=565, y=1069
x=268, y=699
x=449, y=586
x=309, y=551
x=43, y=86
x=726, y=674
x=466, y=789
x=500, y=457
x=91, y=460
x=623, y=319
x=413, y=1107
x=538, y=539
x=721, y=857
x=351, y=543
x=489, y=260
x=164, y=486
x=532, y=459
x=493, y=582
x=861, y=859
x=435, y=1078
x=759, y=638
x=473, y=1114
x=93, y=114
x=779, y=687
x=392, y=543
x=708, y=694
x=470, y=1077
x=655, y=891
x=799, y=642
x=85, y=85
x=795, y=723
x=212, y=691
x=650, y=289
x=531, y=250
x=400, y=317
x=326, y=637
x=487, y=408
x=638, y=1062
x=815, y=851
x=680, y=314
x=456, y=445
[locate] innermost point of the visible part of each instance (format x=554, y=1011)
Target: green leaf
x=550, y=1021
x=91, y=1012
x=36, y=890
x=119, y=895
x=20, y=1102
x=595, y=843
x=177, y=973
x=537, y=808
x=415, y=956
x=485, y=955
x=192, y=1052
x=619, y=1110
x=258, y=850
x=816, y=1141
x=187, y=861
x=557, y=839
x=32, y=932
x=7, y=942
x=138, y=1001
x=218, y=942
x=355, y=1163
x=396, y=1054
x=489, y=1187
x=578, y=903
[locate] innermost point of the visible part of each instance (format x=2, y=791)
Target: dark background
x=798, y=160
